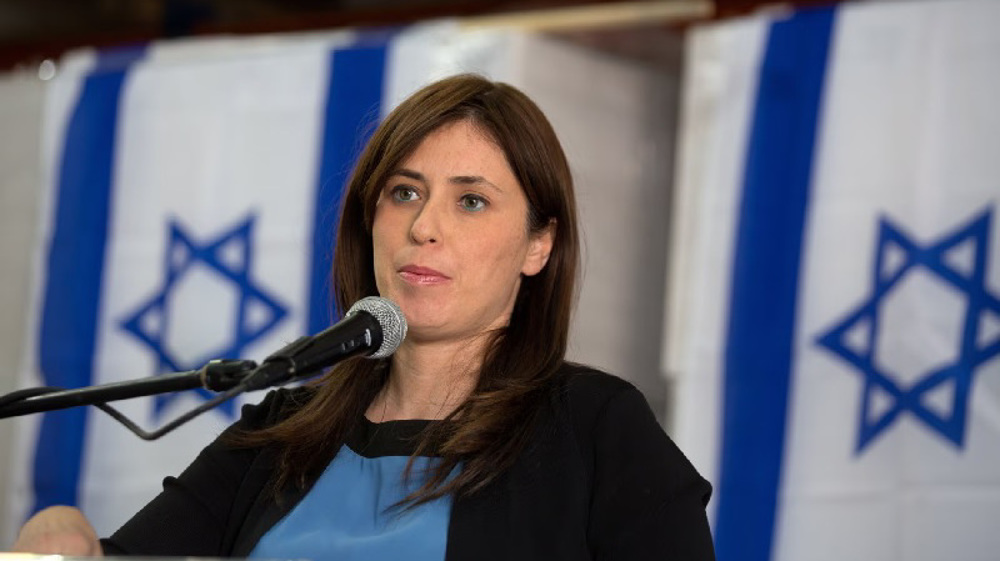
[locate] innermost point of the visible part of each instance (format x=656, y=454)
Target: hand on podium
x=60, y=530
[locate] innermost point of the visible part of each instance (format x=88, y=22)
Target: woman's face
x=451, y=239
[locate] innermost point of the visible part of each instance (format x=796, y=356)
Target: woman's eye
x=404, y=194
x=472, y=203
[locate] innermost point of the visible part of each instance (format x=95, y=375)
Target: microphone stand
x=218, y=375
x=295, y=360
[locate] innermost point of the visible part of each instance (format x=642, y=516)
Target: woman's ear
x=539, y=248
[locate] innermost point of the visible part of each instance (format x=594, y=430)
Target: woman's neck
x=427, y=381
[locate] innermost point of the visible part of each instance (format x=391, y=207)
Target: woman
x=475, y=439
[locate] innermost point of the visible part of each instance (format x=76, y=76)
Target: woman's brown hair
x=488, y=431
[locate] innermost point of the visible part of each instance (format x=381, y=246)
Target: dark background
x=34, y=30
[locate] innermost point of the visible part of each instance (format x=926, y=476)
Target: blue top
x=348, y=514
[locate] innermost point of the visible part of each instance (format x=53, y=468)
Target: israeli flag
x=191, y=209
x=834, y=316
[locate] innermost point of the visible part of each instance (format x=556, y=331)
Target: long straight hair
x=490, y=428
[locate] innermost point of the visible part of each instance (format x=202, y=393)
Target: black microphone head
x=390, y=319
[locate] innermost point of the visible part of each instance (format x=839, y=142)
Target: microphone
x=373, y=327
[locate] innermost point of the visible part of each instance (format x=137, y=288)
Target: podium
x=55, y=557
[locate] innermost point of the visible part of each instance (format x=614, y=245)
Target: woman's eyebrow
x=473, y=180
x=411, y=174
x=456, y=179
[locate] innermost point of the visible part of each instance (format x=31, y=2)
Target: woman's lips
x=422, y=275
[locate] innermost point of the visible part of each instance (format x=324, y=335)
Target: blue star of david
x=230, y=257
x=981, y=305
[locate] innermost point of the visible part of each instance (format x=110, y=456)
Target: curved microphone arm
x=227, y=376
x=373, y=327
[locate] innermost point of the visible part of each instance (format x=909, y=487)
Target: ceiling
x=34, y=30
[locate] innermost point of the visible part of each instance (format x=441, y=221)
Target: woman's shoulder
x=594, y=402
x=587, y=378
x=586, y=389
x=613, y=423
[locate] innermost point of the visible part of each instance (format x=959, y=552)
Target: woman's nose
x=426, y=227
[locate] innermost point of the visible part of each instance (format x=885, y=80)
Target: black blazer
x=600, y=480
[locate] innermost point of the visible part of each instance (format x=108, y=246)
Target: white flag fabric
x=834, y=317
x=192, y=198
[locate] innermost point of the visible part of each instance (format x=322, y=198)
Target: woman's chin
x=421, y=323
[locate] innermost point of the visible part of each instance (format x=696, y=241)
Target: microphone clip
x=279, y=367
